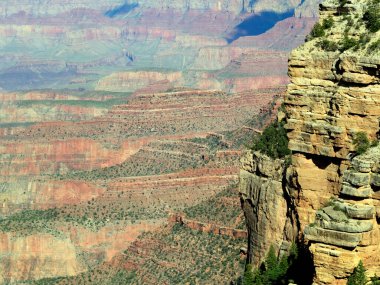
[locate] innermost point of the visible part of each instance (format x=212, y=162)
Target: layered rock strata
x=333, y=96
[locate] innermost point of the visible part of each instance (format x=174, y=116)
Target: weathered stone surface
x=36, y=257
x=356, y=178
x=338, y=238
x=333, y=96
x=375, y=179
x=265, y=206
x=360, y=211
x=362, y=192
x=348, y=226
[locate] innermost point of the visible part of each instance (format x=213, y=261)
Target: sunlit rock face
x=332, y=98
x=135, y=114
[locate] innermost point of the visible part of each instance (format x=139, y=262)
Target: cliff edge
x=328, y=197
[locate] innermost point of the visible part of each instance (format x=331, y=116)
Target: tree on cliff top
x=273, y=141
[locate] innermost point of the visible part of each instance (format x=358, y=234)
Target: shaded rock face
x=266, y=204
x=332, y=96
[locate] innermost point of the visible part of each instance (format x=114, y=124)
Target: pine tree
x=248, y=275
x=358, y=277
x=272, y=266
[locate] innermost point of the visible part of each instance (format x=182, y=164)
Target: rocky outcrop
x=207, y=227
x=266, y=205
x=36, y=256
x=333, y=95
x=347, y=228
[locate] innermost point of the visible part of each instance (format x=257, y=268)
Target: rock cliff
x=330, y=190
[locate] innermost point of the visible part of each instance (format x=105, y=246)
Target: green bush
x=361, y=142
x=328, y=45
x=348, y=43
x=375, y=280
x=371, y=16
x=373, y=47
x=273, y=141
x=328, y=23
x=248, y=278
x=342, y=3
x=317, y=31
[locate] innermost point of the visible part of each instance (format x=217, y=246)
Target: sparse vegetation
x=317, y=31
x=222, y=208
x=328, y=45
x=161, y=159
x=347, y=43
x=374, y=47
x=361, y=143
x=176, y=255
x=273, y=141
x=371, y=16
x=328, y=23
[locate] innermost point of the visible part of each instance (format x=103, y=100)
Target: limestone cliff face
x=267, y=207
x=332, y=96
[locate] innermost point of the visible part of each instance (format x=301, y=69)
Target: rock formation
x=331, y=193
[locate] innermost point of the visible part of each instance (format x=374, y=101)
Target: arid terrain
x=121, y=128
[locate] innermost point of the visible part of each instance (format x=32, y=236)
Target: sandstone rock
x=356, y=178
x=265, y=207
x=37, y=256
x=333, y=96
x=333, y=237
x=360, y=211
x=362, y=192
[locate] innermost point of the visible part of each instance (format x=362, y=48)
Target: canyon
x=115, y=116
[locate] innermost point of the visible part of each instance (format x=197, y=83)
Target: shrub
x=328, y=23
x=342, y=3
x=361, y=142
x=348, y=43
x=371, y=16
x=317, y=31
x=248, y=278
x=375, y=280
x=273, y=141
x=373, y=47
x=328, y=45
